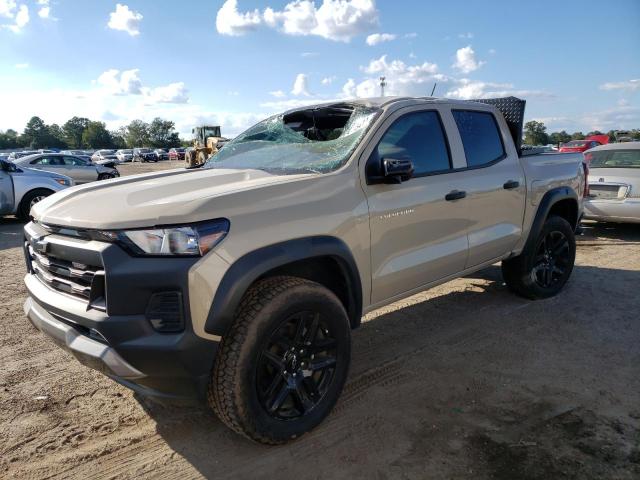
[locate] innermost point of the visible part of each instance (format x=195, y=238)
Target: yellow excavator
x=207, y=140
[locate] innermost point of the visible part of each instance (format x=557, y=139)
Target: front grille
x=85, y=282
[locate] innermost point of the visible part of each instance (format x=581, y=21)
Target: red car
x=586, y=144
x=176, y=154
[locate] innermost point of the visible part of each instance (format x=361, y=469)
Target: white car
x=614, y=183
x=125, y=155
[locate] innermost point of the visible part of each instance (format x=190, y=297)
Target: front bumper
x=619, y=211
x=118, y=339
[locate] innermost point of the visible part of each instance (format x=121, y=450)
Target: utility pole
x=383, y=84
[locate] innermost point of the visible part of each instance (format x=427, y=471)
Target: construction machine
x=207, y=140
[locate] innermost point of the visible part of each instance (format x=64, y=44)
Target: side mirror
x=9, y=167
x=397, y=170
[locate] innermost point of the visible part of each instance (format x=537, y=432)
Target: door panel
x=417, y=236
x=6, y=193
x=495, y=186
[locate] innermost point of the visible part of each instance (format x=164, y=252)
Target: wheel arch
x=560, y=201
x=323, y=259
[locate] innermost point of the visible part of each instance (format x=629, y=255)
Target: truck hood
x=160, y=198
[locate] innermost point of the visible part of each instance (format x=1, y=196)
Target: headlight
x=64, y=181
x=181, y=240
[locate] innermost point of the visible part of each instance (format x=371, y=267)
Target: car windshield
x=575, y=143
x=614, y=159
x=312, y=140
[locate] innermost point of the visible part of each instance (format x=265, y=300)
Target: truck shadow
x=455, y=328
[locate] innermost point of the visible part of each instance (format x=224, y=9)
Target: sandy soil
x=462, y=381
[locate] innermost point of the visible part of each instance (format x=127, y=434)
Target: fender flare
x=246, y=270
x=549, y=199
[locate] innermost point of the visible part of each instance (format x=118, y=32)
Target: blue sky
x=235, y=62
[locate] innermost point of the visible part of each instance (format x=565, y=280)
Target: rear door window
x=480, y=136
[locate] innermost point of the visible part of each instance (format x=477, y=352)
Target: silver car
x=80, y=169
x=614, y=183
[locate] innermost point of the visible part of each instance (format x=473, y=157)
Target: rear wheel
x=542, y=270
x=282, y=366
x=106, y=176
x=202, y=158
x=30, y=199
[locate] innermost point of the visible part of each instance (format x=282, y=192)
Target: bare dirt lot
x=463, y=381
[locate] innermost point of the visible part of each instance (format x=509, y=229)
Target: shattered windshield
x=312, y=140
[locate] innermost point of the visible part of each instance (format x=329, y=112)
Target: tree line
x=81, y=133
x=535, y=133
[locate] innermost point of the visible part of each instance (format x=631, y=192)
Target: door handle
x=511, y=184
x=455, y=195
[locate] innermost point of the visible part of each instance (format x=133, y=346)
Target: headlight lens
x=63, y=181
x=180, y=240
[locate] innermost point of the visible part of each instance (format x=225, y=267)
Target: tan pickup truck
x=238, y=283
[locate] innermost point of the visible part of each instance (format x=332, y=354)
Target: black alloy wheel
x=296, y=367
x=552, y=259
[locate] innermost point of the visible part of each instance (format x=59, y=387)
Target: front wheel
x=283, y=364
x=542, y=270
x=106, y=176
x=30, y=199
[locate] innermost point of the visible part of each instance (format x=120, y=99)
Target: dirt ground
x=463, y=381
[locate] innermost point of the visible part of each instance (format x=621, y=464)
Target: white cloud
x=402, y=79
x=229, y=21
x=21, y=66
x=469, y=89
x=411, y=35
x=328, y=80
x=7, y=8
x=300, y=86
x=45, y=9
x=278, y=94
x=377, y=38
x=172, y=93
x=415, y=73
x=338, y=20
x=122, y=18
x=349, y=88
x=466, y=60
x=627, y=85
x=128, y=82
x=492, y=51
x=18, y=14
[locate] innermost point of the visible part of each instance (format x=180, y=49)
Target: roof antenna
x=433, y=89
x=383, y=84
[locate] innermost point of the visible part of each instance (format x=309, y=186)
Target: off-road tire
x=519, y=273
x=25, y=204
x=233, y=392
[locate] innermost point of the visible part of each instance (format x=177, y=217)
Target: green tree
x=118, y=138
x=138, y=134
x=559, y=137
x=535, y=133
x=9, y=139
x=36, y=133
x=577, y=136
x=96, y=135
x=162, y=133
x=73, y=130
x=55, y=137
